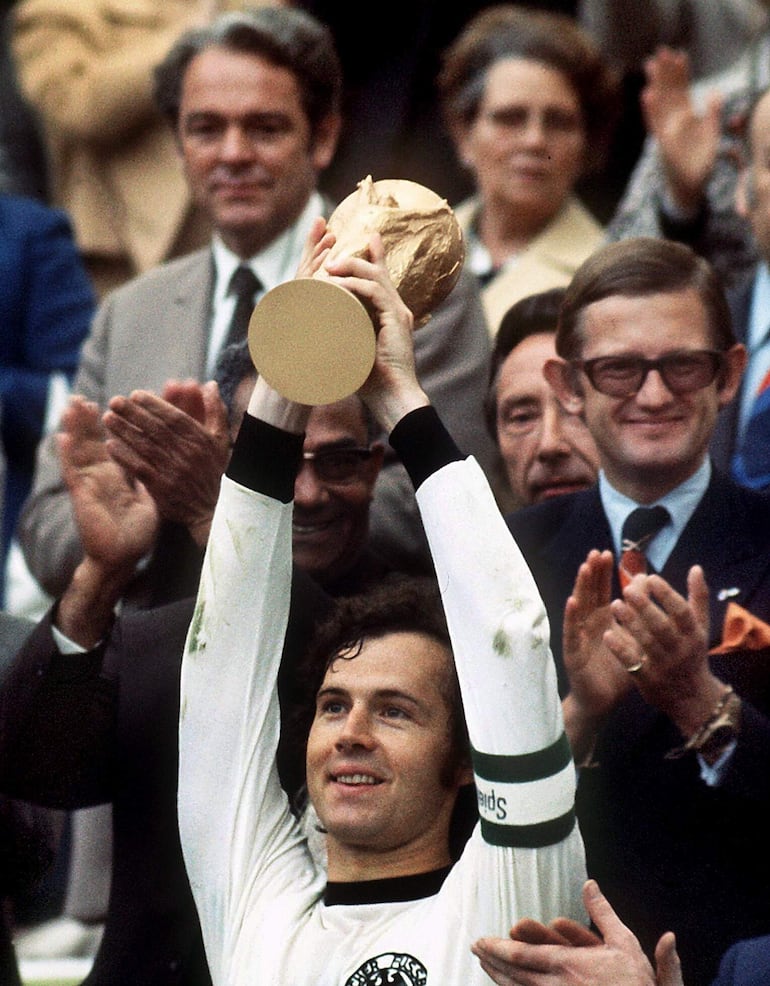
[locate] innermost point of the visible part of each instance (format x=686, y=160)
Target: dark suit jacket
x=79, y=730
x=14, y=630
x=723, y=439
x=746, y=964
x=728, y=534
x=669, y=851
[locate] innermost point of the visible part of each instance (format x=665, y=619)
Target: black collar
x=387, y=890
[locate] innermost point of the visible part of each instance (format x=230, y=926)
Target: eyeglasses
x=623, y=376
x=555, y=121
x=337, y=466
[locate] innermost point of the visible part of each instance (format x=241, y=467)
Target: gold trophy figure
x=312, y=340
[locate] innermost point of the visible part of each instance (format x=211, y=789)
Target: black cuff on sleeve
x=266, y=459
x=423, y=444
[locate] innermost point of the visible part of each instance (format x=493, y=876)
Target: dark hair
x=510, y=31
x=398, y=604
x=285, y=36
x=234, y=364
x=527, y=317
x=637, y=268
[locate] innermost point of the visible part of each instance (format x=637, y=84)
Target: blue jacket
x=747, y=963
x=46, y=305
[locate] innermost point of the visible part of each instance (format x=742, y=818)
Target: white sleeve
x=500, y=636
x=234, y=820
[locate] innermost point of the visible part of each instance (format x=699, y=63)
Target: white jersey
x=258, y=890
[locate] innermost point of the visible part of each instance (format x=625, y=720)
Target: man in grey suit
x=254, y=100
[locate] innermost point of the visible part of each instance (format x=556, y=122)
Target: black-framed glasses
x=338, y=465
x=683, y=371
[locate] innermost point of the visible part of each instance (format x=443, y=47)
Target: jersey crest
x=390, y=969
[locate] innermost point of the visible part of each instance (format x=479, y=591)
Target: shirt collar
x=275, y=264
x=680, y=503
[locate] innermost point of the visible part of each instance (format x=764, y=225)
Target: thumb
x=668, y=966
x=601, y=913
x=714, y=104
x=215, y=418
x=698, y=597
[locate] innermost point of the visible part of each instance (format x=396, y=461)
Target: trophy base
x=312, y=341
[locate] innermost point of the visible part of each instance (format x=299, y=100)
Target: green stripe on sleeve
x=528, y=836
x=525, y=767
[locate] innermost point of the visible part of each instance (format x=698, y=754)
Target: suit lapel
x=190, y=315
x=721, y=537
x=584, y=527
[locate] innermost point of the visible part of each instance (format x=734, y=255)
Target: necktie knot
x=639, y=528
x=244, y=284
x=642, y=524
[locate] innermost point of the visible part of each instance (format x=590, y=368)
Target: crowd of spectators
x=573, y=449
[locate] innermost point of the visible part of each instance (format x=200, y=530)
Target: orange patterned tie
x=639, y=528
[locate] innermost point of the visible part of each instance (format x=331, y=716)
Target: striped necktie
x=639, y=528
x=244, y=284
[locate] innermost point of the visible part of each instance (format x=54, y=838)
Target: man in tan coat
x=86, y=67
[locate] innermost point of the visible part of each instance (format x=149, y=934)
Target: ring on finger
x=637, y=665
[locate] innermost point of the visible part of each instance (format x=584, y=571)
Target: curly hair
x=398, y=604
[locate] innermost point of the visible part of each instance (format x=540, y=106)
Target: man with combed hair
x=379, y=776
x=545, y=450
x=254, y=101
x=667, y=707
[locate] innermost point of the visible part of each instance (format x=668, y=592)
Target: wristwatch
x=720, y=731
x=716, y=733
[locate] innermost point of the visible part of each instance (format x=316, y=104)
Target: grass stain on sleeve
x=501, y=643
x=197, y=637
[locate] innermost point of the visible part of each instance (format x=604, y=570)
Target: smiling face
x=245, y=139
x=651, y=442
x=331, y=519
x=330, y=523
x=526, y=145
x=376, y=758
x=546, y=450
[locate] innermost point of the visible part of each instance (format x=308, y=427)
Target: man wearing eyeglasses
x=674, y=793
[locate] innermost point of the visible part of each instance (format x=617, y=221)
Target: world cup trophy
x=313, y=341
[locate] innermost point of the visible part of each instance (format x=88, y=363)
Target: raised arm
x=58, y=710
x=688, y=138
x=496, y=617
x=233, y=816
x=523, y=770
